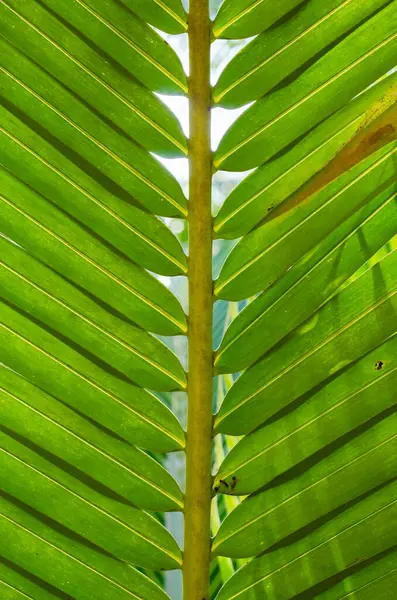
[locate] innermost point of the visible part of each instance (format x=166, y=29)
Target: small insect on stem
x=225, y=483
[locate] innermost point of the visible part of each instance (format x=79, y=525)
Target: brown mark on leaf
x=234, y=482
x=383, y=132
x=378, y=129
x=225, y=483
x=379, y=365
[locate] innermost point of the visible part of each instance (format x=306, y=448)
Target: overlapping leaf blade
x=257, y=197
x=69, y=248
x=352, y=323
x=280, y=118
x=30, y=86
x=243, y=18
x=61, y=370
x=168, y=15
x=362, y=464
x=81, y=198
x=311, y=281
x=130, y=41
x=40, y=164
x=262, y=256
x=333, y=547
x=63, y=433
x=271, y=57
x=376, y=579
x=322, y=416
x=62, y=308
x=328, y=444
x=31, y=543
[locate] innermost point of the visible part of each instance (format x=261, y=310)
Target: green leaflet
x=306, y=368
x=168, y=15
x=35, y=321
x=153, y=197
x=59, y=307
x=32, y=542
x=314, y=278
x=268, y=252
x=71, y=250
x=279, y=119
x=254, y=199
x=123, y=106
x=271, y=57
x=139, y=113
x=361, y=464
x=349, y=325
x=377, y=580
x=323, y=416
x=129, y=41
x=127, y=533
x=111, y=400
x=243, y=18
x=18, y=581
x=8, y=592
x=139, y=235
x=82, y=448
x=327, y=550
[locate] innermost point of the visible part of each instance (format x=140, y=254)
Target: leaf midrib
x=15, y=589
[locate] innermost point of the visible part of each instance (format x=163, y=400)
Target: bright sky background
x=222, y=52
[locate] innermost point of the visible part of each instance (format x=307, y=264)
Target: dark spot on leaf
x=216, y=489
x=270, y=208
x=234, y=482
x=379, y=365
x=225, y=483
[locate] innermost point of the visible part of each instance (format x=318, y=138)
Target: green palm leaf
x=81, y=194
x=315, y=347
x=280, y=118
x=290, y=289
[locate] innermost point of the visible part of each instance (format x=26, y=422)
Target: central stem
x=199, y=431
